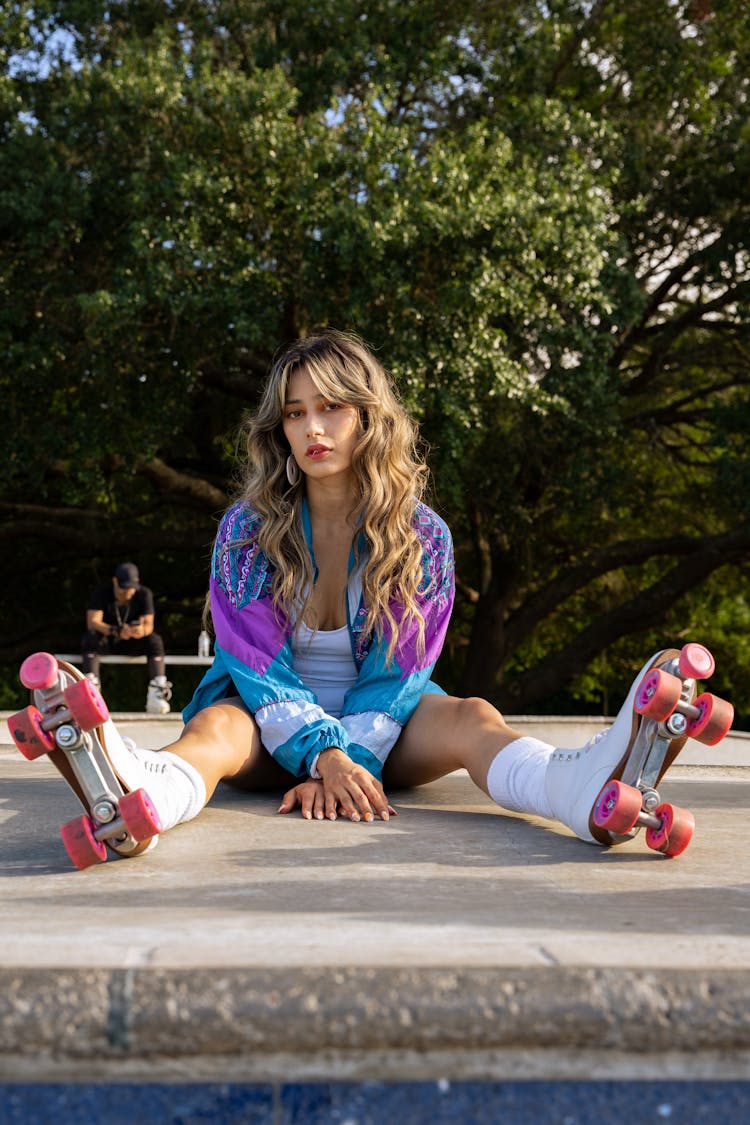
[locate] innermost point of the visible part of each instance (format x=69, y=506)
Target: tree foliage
x=538, y=214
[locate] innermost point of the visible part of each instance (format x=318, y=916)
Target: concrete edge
x=156, y=731
x=351, y=1022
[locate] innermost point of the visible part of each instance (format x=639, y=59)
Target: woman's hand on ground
x=351, y=788
x=310, y=796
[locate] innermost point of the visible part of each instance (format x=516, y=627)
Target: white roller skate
x=69, y=721
x=606, y=790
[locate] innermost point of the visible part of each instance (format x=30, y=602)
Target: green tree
x=651, y=516
x=537, y=213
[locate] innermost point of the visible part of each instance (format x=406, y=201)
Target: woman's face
x=322, y=432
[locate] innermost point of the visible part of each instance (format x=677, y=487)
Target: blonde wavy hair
x=389, y=474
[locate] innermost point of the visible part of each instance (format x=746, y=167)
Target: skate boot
x=606, y=791
x=69, y=721
x=158, y=696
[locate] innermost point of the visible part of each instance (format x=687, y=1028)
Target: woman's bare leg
x=223, y=744
x=445, y=734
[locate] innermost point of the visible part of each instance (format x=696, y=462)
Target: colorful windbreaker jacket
x=253, y=654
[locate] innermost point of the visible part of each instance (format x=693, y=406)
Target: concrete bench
x=76, y=658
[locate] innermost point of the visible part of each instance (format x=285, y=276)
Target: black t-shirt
x=120, y=613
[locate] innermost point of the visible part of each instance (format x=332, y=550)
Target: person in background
x=120, y=622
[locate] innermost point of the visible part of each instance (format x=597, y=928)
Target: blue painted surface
x=368, y=1103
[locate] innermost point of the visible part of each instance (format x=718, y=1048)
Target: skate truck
x=671, y=711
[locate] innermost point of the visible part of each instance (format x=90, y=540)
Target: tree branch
x=673, y=411
x=107, y=539
x=168, y=480
x=569, y=581
x=654, y=362
x=641, y=612
x=631, y=336
x=61, y=514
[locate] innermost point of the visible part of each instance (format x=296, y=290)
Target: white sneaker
x=158, y=697
x=575, y=777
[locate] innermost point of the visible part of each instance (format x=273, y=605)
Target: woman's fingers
x=319, y=803
x=377, y=802
x=331, y=804
x=353, y=802
x=349, y=799
x=361, y=799
x=289, y=801
x=311, y=798
x=307, y=801
x=345, y=789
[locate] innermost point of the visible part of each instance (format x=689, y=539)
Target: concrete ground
x=456, y=942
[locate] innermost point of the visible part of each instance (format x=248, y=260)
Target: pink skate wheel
x=676, y=832
x=86, y=704
x=139, y=814
x=39, y=671
x=80, y=844
x=696, y=662
x=715, y=720
x=658, y=694
x=617, y=807
x=28, y=735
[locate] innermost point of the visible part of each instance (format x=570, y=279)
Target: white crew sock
x=176, y=788
x=516, y=778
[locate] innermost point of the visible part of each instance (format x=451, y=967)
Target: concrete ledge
x=155, y=731
x=454, y=942
x=352, y=1021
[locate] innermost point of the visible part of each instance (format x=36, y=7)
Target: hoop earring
x=293, y=474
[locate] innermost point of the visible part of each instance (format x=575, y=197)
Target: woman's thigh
x=223, y=742
x=429, y=745
x=446, y=733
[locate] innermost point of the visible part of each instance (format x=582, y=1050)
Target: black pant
x=95, y=645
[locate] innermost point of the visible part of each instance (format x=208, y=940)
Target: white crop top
x=323, y=661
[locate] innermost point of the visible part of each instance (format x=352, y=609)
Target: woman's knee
x=444, y=734
x=227, y=734
x=474, y=713
x=458, y=719
x=226, y=729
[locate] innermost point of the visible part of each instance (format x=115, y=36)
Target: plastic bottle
x=204, y=644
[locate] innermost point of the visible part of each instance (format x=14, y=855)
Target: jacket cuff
x=313, y=765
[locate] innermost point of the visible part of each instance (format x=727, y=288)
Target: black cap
x=127, y=576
